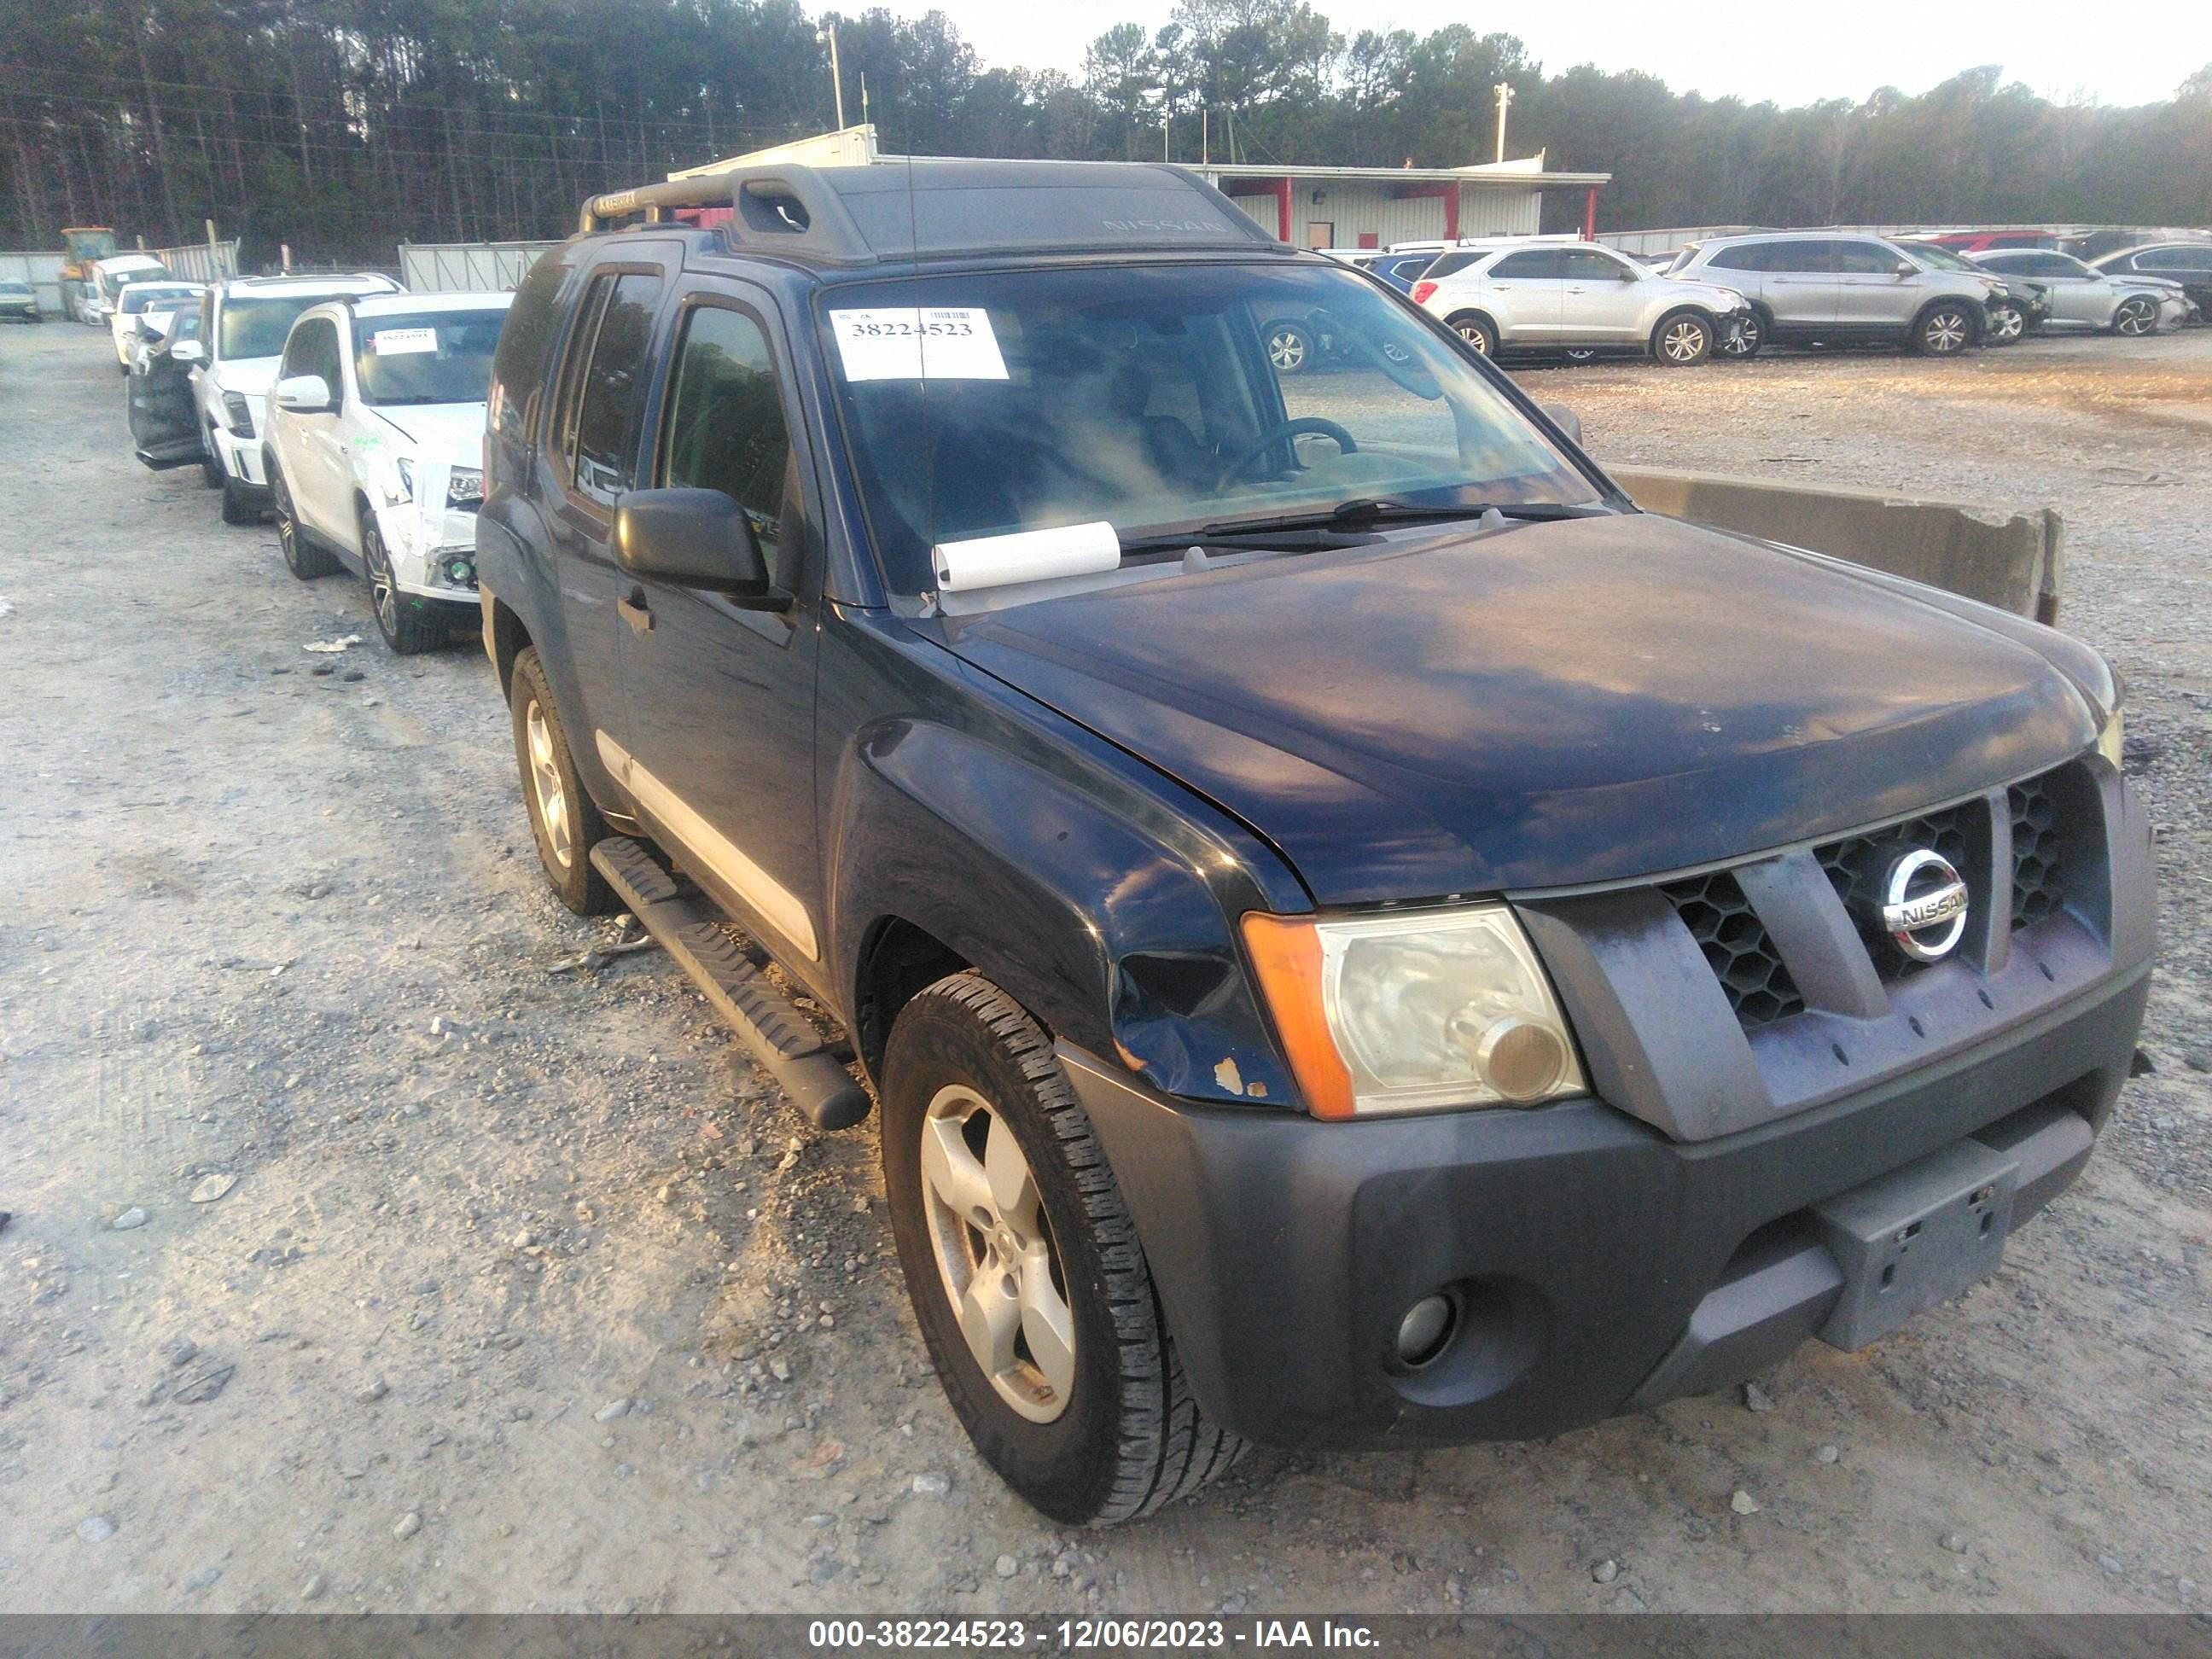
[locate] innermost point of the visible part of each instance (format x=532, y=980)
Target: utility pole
x=1504, y=90
x=827, y=36
x=1205, y=134
x=864, y=98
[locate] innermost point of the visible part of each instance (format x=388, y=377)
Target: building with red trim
x=1376, y=206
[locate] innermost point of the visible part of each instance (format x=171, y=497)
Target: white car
x=136, y=301
x=108, y=277
x=375, y=449
x=243, y=324
x=2082, y=296
x=1525, y=294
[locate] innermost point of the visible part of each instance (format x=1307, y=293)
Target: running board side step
x=780, y=1037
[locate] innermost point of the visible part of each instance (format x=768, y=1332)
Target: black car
x=165, y=427
x=2189, y=263
x=1357, y=935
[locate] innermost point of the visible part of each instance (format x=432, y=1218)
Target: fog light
x=1424, y=1330
x=458, y=570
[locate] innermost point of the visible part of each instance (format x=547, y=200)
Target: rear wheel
x=2136, y=316
x=1477, y=332
x=1944, y=330
x=1289, y=348
x=562, y=820
x=1027, y=1277
x=1682, y=339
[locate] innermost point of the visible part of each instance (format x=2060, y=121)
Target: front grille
x=2037, y=850
x=1721, y=919
x=1855, y=865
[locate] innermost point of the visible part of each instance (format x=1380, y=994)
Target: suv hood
x=1578, y=700
x=452, y=433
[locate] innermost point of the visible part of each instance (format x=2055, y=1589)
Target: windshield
x=148, y=296
x=14, y=290
x=1161, y=400
x=427, y=357
x=257, y=327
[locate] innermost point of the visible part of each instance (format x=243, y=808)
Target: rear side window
x=1445, y=263
x=1536, y=265
x=612, y=396
x=518, y=367
x=1752, y=256
x=1800, y=257
x=726, y=430
x=2176, y=258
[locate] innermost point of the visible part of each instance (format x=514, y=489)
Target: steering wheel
x=1329, y=429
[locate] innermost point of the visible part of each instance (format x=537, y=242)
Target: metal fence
x=43, y=271
x=1667, y=241
x=467, y=267
x=199, y=262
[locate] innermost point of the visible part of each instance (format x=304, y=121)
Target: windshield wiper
x=1369, y=509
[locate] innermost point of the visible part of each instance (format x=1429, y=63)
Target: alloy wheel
x=383, y=586
x=1743, y=340
x=996, y=1257
x=1945, y=332
x=2007, y=323
x=2135, y=317
x=1472, y=333
x=545, y=781
x=1684, y=340
x=1286, y=350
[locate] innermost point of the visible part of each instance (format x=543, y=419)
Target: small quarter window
x=612, y=393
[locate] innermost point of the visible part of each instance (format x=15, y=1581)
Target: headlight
x=2111, y=739
x=1410, y=1012
x=464, y=487
x=396, y=480
x=238, y=413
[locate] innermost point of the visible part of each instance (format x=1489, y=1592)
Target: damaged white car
x=374, y=453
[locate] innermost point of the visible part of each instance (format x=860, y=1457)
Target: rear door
x=1800, y=284
x=591, y=457
x=1601, y=299
x=1523, y=291
x=720, y=751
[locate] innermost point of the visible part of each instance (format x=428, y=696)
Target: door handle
x=636, y=612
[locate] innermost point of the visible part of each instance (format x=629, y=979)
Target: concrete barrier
x=2010, y=560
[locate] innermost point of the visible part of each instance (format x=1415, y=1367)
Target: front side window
x=425, y=357
x=726, y=430
x=1145, y=398
x=313, y=348
x=1866, y=259
x=612, y=392
x=1587, y=265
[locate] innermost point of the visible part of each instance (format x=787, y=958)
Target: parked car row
x=350, y=410
x=1733, y=296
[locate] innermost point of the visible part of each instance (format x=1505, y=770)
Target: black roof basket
x=951, y=208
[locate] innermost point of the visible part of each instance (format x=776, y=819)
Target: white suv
x=136, y=301
x=1576, y=297
x=243, y=323
x=374, y=453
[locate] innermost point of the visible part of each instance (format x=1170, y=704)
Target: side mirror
x=693, y=538
x=187, y=351
x=1566, y=419
x=1629, y=275
x=305, y=394
x=1906, y=268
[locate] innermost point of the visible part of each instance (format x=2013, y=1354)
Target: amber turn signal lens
x=1285, y=954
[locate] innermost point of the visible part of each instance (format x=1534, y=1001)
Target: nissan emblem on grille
x=1923, y=905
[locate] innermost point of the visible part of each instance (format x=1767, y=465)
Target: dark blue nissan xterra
x=1357, y=935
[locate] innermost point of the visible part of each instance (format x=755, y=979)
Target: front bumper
x=1600, y=1262
x=242, y=462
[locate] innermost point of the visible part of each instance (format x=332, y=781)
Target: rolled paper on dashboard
x=1027, y=556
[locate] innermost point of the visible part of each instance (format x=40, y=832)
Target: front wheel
x=238, y=507
x=563, y=822
x=302, y=557
x=1024, y=1267
x=1944, y=330
x=2135, y=317
x=1683, y=339
x=1743, y=342
x=2008, y=322
x=398, y=618
x=211, y=472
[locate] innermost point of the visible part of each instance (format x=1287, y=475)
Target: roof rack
x=943, y=208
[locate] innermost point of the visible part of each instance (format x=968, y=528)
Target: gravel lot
x=463, y=1284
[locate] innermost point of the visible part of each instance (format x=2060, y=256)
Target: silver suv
x=1577, y=297
x=1837, y=288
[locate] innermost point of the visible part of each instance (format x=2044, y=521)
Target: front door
x=721, y=751
x=591, y=457
x=315, y=466
x=1601, y=299
x=1877, y=289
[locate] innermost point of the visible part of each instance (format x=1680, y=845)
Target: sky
x=1790, y=54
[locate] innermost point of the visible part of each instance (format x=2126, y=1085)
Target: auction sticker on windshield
x=915, y=342
x=400, y=342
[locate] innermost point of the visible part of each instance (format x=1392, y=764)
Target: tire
x=1944, y=330
x=1477, y=331
x=1289, y=348
x=238, y=508
x=2135, y=317
x=305, y=559
x=404, y=626
x=1108, y=1430
x=1682, y=339
x=2008, y=323
x=1580, y=355
x=211, y=472
x=1744, y=344
x=541, y=750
